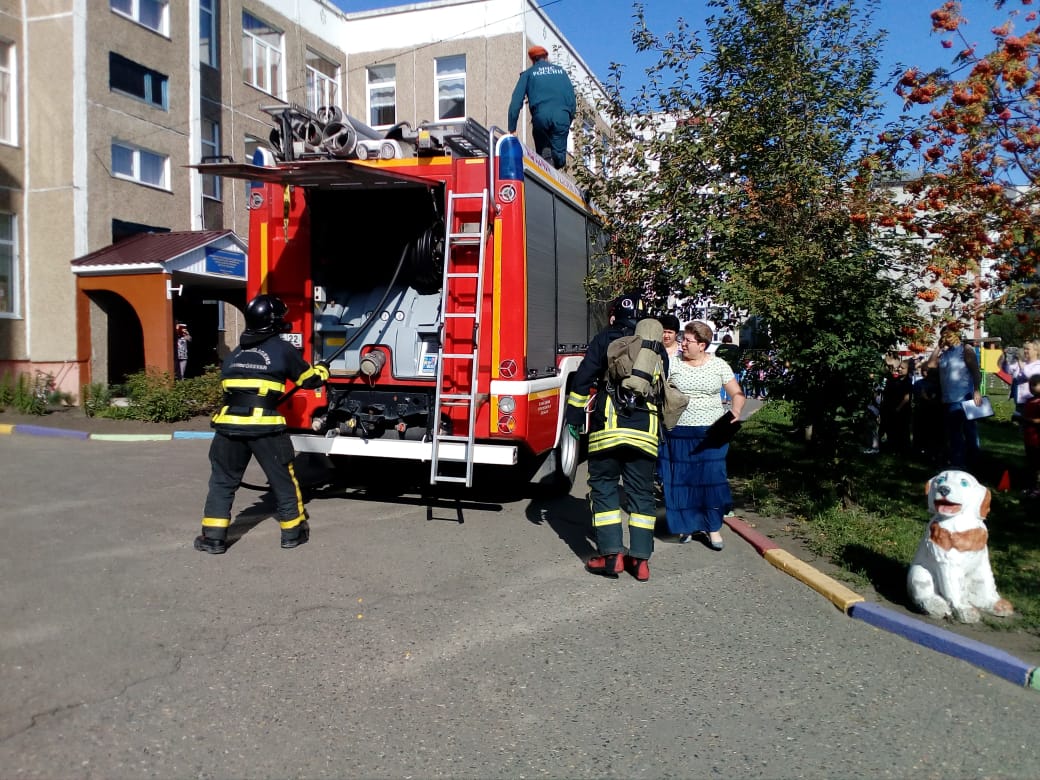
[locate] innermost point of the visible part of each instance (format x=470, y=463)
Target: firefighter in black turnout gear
x=623, y=440
x=253, y=378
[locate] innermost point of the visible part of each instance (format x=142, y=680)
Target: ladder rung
x=455, y=397
x=459, y=355
x=452, y=437
x=461, y=195
x=470, y=234
x=462, y=275
x=442, y=478
x=456, y=315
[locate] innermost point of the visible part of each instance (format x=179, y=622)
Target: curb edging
x=991, y=659
x=42, y=430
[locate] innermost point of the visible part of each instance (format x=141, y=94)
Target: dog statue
x=950, y=573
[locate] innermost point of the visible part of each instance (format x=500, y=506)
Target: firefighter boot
x=607, y=565
x=297, y=536
x=210, y=545
x=638, y=568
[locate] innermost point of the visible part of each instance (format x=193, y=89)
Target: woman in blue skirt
x=693, y=453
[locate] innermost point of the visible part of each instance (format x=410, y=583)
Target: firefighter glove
x=574, y=416
x=322, y=370
x=573, y=431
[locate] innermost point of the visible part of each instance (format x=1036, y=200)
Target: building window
x=322, y=82
x=8, y=267
x=451, y=87
x=153, y=14
x=382, y=95
x=208, y=33
x=136, y=80
x=261, y=55
x=8, y=94
x=140, y=165
x=211, y=149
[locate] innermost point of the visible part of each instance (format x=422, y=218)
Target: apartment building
x=108, y=236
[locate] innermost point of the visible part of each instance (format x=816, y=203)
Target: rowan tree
x=756, y=198
x=977, y=148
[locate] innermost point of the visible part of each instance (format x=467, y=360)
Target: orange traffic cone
x=1005, y=482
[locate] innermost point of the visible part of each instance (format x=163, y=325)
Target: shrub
x=25, y=399
x=155, y=397
x=6, y=391
x=96, y=398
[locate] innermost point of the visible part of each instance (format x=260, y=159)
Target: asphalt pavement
x=420, y=636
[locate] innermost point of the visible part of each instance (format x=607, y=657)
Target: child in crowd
x=1030, y=419
x=896, y=409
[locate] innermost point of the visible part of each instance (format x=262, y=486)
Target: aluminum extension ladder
x=449, y=360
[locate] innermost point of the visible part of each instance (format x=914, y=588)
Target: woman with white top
x=691, y=458
x=1020, y=370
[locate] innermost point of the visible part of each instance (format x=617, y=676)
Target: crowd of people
x=930, y=407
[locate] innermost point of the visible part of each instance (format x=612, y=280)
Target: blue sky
x=601, y=30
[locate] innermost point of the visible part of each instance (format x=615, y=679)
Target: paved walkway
x=921, y=631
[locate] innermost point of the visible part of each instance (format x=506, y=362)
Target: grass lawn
x=873, y=540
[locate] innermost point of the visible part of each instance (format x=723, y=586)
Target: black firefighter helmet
x=266, y=314
x=627, y=310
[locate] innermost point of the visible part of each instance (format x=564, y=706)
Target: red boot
x=638, y=568
x=607, y=565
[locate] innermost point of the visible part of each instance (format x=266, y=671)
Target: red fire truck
x=439, y=272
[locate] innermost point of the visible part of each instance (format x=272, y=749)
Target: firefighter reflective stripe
x=641, y=440
x=642, y=521
x=577, y=399
x=259, y=386
x=216, y=522
x=615, y=433
x=260, y=416
x=612, y=517
x=288, y=525
x=320, y=372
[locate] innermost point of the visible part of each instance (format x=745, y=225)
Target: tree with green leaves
x=740, y=180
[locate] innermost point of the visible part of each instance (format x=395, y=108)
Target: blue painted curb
x=989, y=658
x=43, y=430
x=40, y=430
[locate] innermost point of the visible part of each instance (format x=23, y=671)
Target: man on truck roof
x=550, y=97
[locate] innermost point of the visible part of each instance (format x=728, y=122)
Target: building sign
x=225, y=262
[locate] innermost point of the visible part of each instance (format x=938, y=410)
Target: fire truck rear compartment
x=377, y=256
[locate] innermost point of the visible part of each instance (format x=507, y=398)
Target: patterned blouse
x=703, y=386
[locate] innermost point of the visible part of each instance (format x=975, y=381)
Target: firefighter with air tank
x=623, y=440
x=253, y=378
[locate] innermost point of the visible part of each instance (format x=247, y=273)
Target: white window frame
x=378, y=85
x=209, y=54
x=8, y=93
x=13, y=278
x=253, y=46
x=136, y=155
x=133, y=10
x=322, y=88
x=211, y=148
x=439, y=80
x=155, y=86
